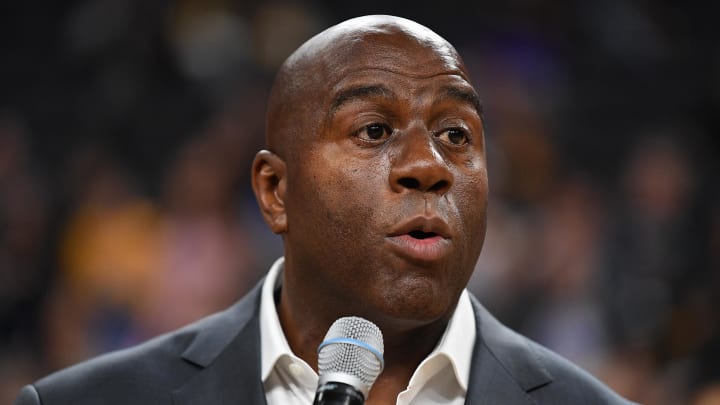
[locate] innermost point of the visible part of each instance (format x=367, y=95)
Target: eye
x=454, y=136
x=374, y=132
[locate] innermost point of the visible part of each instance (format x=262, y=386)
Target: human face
x=386, y=203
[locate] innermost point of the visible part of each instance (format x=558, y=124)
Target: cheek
x=472, y=199
x=342, y=228
x=344, y=197
x=348, y=181
x=478, y=197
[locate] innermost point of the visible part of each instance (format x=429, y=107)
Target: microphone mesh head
x=349, y=358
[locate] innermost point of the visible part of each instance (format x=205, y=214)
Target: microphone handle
x=337, y=393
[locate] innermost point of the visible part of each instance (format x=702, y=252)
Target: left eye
x=455, y=136
x=374, y=132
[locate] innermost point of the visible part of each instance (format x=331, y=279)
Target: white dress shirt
x=441, y=378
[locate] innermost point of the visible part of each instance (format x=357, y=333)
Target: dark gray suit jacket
x=217, y=361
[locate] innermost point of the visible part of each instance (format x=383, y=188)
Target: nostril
x=409, y=182
x=440, y=185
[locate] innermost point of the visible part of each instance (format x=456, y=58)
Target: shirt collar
x=274, y=345
x=455, y=346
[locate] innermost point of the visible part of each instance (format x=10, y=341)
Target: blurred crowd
x=127, y=129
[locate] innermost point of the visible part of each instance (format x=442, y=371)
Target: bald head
x=303, y=90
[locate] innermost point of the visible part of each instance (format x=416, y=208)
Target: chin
x=420, y=302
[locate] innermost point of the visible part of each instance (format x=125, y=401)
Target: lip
x=429, y=249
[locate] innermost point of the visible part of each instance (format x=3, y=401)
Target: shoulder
x=144, y=373
x=544, y=376
x=570, y=384
x=149, y=372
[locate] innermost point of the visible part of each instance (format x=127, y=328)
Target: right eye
x=374, y=132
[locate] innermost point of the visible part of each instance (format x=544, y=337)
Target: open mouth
x=422, y=239
x=421, y=246
x=422, y=235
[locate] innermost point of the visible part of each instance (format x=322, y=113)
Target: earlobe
x=269, y=185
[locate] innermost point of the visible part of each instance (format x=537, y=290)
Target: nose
x=418, y=165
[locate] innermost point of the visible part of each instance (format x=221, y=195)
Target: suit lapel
x=504, y=367
x=227, y=349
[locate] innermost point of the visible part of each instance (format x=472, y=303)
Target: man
x=375, y=176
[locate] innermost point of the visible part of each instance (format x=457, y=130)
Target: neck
x=406, y=343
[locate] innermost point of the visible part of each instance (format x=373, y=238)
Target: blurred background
x=127, y=129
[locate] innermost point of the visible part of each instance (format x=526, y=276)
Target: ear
x=269, y=184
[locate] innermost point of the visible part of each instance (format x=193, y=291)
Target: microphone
x=350, y=359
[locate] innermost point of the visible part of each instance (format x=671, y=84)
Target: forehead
x=390, y=50
x=394, y=64
x=392, y=86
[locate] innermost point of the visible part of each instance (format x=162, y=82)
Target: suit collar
x=505, y=367
x=226, y=348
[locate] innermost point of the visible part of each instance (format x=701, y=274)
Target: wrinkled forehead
x=380, y=42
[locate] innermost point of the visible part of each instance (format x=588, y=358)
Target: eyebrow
x=360, y=92
x=462, y=94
